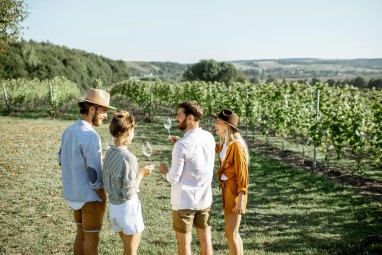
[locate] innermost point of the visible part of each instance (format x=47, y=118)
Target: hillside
x=166, y=71
x=296, y=69
x=44, y=60
x=288, y=69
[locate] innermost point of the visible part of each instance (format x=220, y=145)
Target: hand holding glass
x=147, y=149
x=148, y=169
x=167, y=124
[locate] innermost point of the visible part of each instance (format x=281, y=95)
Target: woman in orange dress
x=233, y=176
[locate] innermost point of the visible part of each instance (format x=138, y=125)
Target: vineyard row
x=349, y=119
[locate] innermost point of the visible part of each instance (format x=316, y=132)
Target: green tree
x=12, y=13
x=359, y=82
x=271, y=79
x=210, y=70
x=205, y=70
x=314, y=81
x=377, y=83
x=228, y=73
x=331, y=82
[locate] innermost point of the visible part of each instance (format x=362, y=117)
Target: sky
x=224, y=30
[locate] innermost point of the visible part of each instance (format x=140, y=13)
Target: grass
x=347, y=164
x=289, y=210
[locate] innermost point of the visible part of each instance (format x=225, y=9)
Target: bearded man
x=190, y=176
x=80, y=158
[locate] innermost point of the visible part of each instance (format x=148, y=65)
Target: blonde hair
x=231, y=136
x=120, y=126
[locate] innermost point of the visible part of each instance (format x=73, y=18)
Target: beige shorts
x=183, y=220
x=90, y=216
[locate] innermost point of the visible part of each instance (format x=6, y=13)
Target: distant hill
x=45, y=60
x=166, y=71
x=262, y=69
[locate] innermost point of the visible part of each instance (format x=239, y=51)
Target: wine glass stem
x=168, y=132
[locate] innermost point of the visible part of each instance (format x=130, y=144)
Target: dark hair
x=84, y=107
x=121, y=123
x=193, y=108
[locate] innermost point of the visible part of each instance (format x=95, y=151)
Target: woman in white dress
x=121, y=178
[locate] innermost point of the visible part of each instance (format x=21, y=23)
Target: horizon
x=185, y=33
x=237, y=60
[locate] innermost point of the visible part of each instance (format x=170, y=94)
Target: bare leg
x=91, y=240
x=232, y=224
x=78, y=242
x=204, y=236
x=130, y=243
x=241, y=245
x=184, y=243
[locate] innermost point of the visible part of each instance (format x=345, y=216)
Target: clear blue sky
x=188, y=31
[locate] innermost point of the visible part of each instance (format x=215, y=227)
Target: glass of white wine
x=110, y=143
x=167, y=124
x=147, y=150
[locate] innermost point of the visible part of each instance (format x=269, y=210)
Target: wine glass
x=147, y=150
x=110, y=143
x=167, y=124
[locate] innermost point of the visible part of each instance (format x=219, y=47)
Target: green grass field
x=290, y=211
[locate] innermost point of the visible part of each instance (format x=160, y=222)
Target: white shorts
x=127, y=217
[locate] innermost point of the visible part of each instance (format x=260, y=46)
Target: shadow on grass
x=292, y=211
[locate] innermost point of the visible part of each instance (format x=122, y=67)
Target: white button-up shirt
x=191, y=170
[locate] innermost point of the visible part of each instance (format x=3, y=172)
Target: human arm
x=241, y=168
x=92, y=152
x=174, y=139
x=175, y=172
x=238, y=209
x=145, y=171
x=163, y=169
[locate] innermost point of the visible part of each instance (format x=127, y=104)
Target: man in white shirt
x=190, y=176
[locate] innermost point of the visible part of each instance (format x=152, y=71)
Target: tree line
x=44, y=60
x=359, y=82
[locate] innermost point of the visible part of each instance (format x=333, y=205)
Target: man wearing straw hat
x=80, y=158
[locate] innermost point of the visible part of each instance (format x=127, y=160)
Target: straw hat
x=229, y=117
x=98, y=97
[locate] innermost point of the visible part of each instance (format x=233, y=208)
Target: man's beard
x=182, y=125
x=96, y=120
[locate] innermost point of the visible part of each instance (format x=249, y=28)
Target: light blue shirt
x=191, y=170
x=81, y=162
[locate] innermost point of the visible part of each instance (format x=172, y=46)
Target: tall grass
x=289, y=210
